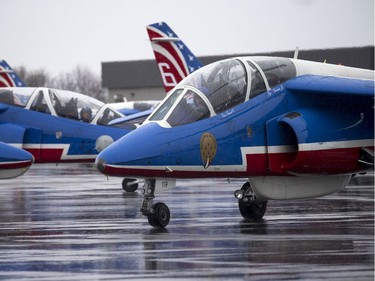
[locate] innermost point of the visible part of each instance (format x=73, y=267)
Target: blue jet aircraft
x=55, y=125
x=296, y=129
x=22, y=129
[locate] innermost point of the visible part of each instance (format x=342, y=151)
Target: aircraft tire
x=160, y=218
x=129, y=185
x=254, y=210
x=251, y=210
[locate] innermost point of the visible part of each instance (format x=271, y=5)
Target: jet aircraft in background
x=13, y=161
x=296, y=129
x=55, y=125
x=8, y=77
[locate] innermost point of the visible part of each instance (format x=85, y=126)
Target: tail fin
x=8, y=78
x=174, y=59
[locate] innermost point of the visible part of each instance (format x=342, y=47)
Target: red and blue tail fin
x=174, y=59
x=9, y=78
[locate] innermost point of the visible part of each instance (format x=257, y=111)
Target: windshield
x=207, y=91
x=162, y=111
x=74, y=105
x=190, y=108
x=276, y=70
x=16, y=96
x=224, y=83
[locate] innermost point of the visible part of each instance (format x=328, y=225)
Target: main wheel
x=129, y=185
x=251, y=210
x=160, y=218
x=254, y=210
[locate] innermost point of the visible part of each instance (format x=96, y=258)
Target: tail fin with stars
x=174, y=59
x=9, y=78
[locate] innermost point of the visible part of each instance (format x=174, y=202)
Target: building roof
x=145, y=74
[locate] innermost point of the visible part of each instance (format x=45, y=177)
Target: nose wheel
x=158, y=214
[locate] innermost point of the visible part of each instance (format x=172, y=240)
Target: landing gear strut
x=250, y=207
x=158, y=214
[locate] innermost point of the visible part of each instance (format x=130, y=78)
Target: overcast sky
x=57, y=35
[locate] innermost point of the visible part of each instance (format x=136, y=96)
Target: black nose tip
x=100, y=164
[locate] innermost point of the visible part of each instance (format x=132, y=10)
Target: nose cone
x=100, y=164
x=132, y=154
x=13, y=161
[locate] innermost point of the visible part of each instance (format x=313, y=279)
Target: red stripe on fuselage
x=15, y=165
x=333, y=161
x=53, y=155
x=329, y=161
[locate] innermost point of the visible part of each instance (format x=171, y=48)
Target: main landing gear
x=158, y=214
x=250, y=207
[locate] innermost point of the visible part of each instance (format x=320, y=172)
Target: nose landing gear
x=250, y=207
x=158, y=214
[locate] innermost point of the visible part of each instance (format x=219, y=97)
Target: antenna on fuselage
x=296, y=51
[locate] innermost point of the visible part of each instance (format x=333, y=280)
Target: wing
x=330, y=85
x=330, y=131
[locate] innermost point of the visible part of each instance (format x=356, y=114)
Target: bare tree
x=36, y=78
x=81, y=80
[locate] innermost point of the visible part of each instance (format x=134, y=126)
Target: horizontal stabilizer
x=6, y=71
x=165, y=39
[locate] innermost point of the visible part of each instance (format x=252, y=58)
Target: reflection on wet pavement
x=68, y=222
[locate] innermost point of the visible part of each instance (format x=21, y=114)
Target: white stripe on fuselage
x=14, y=162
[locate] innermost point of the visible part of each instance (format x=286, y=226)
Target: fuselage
x=253, y=117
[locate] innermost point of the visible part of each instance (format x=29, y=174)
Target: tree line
x=80, y=79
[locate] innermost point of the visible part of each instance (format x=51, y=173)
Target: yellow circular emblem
x=208, y=149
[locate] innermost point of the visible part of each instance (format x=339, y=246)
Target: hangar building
x=141, y=80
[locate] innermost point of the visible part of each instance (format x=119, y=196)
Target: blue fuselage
x=279, y=132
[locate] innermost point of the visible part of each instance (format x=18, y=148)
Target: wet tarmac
x=69, y=222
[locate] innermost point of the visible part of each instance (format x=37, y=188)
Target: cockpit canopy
x=60, y=103
x=220, y=86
